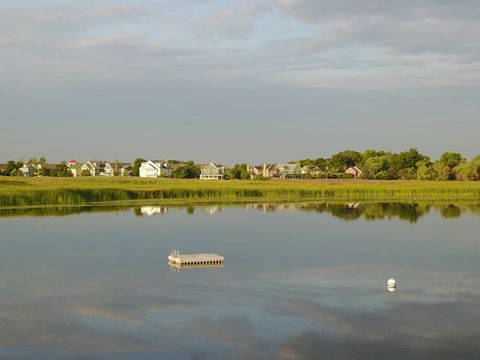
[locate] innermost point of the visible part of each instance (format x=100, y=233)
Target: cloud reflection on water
x=107, y=293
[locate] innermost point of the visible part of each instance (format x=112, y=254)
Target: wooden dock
x=195, y=259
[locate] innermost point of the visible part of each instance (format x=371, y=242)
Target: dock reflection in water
x=176, y=268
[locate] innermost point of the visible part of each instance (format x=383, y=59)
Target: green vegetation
x=239, y=172
x=374, y=165
x=20, y=192
x=406, y=165
x=187, y=170
x=136, y=166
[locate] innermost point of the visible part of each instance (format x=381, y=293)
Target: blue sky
x=231, y=81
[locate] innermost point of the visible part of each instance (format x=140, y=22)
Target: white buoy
x=391, y=285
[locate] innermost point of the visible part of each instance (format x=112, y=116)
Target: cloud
x=59, y=22
x=223, y=65
x=405, y=26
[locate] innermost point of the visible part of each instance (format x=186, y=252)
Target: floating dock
x=176, y=268
x=194, y=259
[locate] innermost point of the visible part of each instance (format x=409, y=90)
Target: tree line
x=12, y=168
x=406, y=165
x=374, y=164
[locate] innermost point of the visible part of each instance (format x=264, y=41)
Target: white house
x=155, y=168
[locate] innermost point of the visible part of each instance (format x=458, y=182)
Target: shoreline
x=102, y=191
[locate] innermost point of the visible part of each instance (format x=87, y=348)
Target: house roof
x=50, y=166
x=99, y=163
x=3, y=166
x=218, y=166
x=157, y=164
x=288, y=166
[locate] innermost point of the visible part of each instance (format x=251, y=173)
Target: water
x=301, y=282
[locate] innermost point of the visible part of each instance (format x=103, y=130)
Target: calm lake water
x=299, y=282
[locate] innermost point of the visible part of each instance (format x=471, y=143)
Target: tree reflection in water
x=407, y=211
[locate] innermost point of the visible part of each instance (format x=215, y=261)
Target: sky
x=237, y=81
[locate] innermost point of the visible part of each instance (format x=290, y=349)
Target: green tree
x=374, y=165
x=443, y=171
x=40, y=170
x=239, y=171
x=136, y=166
x=404, y=164
x=187, y=171
x=466, y=170
x=425, y=171
x=86, y=172
x=63, y=170
x=344, y=159
x=370, y=153
x=10, y=166
x=451, y=159
x=448, y=161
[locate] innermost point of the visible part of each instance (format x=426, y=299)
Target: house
x=290, y=171
x=27, y=170
x=212, y=172
x=2, y=168
x=46, y=169
x=75, y=168
x=266, y=170
x=37, y=169
x=355, y=171
x=123, y=169
x=98, y=168
x=154, y=169
x=316, y=171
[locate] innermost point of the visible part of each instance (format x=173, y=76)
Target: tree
x=374, y=165
x=239, y=171
x=86, y=172
x=187, y=171
x=41, y=168
x=451, y=159
x=425, y=171
x=10, y=166
x=345, y=159
x=404, y=164
x=370, y=153
x=448, y=161
x=443, y=171
x=136, y=166
x=466, y=170
x=63, y=170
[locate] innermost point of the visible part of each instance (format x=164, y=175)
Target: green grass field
x=20, y=192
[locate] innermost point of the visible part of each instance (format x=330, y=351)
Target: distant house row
x=292, y=171
x=160, y=168
x=99, y=168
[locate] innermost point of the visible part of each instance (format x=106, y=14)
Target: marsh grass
x=22, y=192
